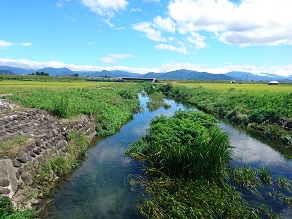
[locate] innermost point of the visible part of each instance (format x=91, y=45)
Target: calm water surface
x=100, y=188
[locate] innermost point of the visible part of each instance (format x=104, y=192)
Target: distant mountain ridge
x=182, y=74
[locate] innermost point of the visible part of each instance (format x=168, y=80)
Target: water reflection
x=99, y=188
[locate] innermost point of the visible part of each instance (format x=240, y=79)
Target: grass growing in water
x=188, y=176
x=188, y=145
x=187, y=159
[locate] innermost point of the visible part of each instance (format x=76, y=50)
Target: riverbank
x=29, y=138
x=46, y=131
x=267, y=114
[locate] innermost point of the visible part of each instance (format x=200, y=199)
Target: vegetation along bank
x=188, y=174
x=267, y=113
x=46, y=130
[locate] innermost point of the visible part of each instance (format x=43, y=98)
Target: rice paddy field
x=20, y=86
x=238, y=87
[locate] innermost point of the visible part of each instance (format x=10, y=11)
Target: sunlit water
x=100, y=188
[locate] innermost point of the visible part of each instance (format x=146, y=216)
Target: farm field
x=238, y=87
x=20, y=86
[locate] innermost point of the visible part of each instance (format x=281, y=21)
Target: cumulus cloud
x=105, y=8
x=165, y=24
x=113, y=58
x=149, y=31
x=247, y=23
x=5, y=44
x=197, y=40
x=182, y=50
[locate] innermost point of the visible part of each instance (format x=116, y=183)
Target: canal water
x=100, y=187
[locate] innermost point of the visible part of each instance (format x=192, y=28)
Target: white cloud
x=5, y=44
x=25, y=44
x=247, y=23
x=113, y=58
x=135, y=10
x=150, y=32
x=285, y=70
x=182, y=50
x=197, y=40
x=106, y=8
x=165, y=24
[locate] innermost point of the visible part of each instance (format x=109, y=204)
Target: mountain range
x=182, y=74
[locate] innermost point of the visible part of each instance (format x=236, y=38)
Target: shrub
x=261, y=115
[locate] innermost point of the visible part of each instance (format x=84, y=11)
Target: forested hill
x=184, y=74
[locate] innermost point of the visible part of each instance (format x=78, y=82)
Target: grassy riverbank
x=110, y=104
x=187, y=173
x=266, y=113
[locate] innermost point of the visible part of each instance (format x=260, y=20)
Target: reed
x=187, y=145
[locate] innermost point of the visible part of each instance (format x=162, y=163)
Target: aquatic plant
x=265, y=175
x=188, y=145
x=244, y=177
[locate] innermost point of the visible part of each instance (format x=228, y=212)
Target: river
x=99, y=188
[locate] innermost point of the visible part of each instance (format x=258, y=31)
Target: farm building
x=273, y=83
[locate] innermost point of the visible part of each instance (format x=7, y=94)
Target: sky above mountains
x=143, y=36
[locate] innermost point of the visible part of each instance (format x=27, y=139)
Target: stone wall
x=36, y=136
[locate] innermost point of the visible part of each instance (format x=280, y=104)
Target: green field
x=237, y=87
x=19, y=86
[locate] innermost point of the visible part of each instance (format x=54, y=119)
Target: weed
x=12, y=146
x=244, y=177
x=284, y=183
x=8, y=212
x=265, y=175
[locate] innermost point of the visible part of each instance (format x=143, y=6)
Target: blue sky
x=148, y=35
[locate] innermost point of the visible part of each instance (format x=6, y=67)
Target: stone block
x=4, y=182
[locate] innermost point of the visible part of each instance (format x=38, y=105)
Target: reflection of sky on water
x=252, y=151
x=99, y=188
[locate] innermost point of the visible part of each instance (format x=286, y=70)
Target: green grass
x=266, y=113
x=239, y=87
x=62, y=165
x=8, y=212
x=12, y=146
x=187, y=171
x=20, y=86
x=112, y=105
x=189, y=145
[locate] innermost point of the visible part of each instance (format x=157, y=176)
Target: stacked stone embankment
x=41, y=136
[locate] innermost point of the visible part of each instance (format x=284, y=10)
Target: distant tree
x=75, y=75
x=41, y=73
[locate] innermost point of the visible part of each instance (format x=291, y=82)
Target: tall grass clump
x=186, y=171
x=188, y=145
